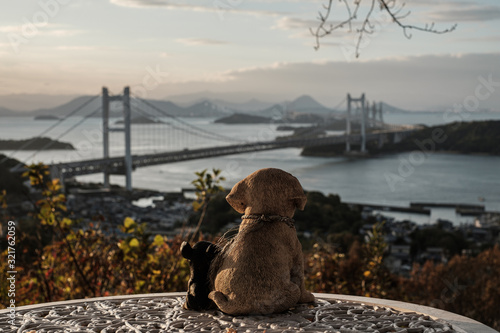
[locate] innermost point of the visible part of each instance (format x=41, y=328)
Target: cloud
x=216, y=6
x=495, y=38
x=200, y=41
x=290, y=23
x=413, y=83
x=53, y=30
x=75, y=48
x=466, y=14
x=159, y=3
x=300, y=26
x=10, y=28
x=63, y=32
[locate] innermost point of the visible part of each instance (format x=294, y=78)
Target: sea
x=391, y=180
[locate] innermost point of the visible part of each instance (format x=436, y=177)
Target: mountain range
x=29, y=102
x=199, y=107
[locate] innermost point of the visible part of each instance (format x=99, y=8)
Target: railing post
x=105, y=131
x=128, y=148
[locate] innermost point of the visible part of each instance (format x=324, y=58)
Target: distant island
x=330, y=125
x=292, y=118
x=242, y=118
x=35, y=144
x=46, y=117
x=140, y=120
x=478, y=137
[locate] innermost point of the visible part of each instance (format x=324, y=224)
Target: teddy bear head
x=267, y=191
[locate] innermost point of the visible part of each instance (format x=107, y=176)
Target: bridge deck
x=117, y=164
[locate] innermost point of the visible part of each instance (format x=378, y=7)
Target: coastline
x=468, y=138
x=149, y=198
x=35, y=144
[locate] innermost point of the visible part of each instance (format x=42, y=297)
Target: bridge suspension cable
x=62, y=134
x=51, y=127
x=339, y=104
x=191, y=129
x=197, y=130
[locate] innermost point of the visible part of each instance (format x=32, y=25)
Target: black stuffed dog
x=200, y=257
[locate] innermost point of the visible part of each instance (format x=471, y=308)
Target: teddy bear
x=261, y=270
x=200, y=257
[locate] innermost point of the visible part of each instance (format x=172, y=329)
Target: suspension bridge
x=164, y=138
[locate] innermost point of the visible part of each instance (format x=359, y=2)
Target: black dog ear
x=212, y=251
x=186, y=250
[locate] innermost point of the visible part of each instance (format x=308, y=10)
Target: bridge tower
x=374, y=111
x=363, y=109
x=375, y=114
x=380, y=114
x=125, y=99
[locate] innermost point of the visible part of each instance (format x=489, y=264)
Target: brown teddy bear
x=261, y=270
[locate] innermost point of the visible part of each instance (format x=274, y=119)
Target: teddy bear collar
x=270, y=218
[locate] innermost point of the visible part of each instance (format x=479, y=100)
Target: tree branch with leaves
x=50, y=211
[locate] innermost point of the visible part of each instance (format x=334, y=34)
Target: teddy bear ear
x=212, y=251
x=237, y=198
x=186, y=250
x=300, y=202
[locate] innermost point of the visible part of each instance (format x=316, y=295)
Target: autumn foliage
x=465, y=285
x=61, y=260
x=86, y=262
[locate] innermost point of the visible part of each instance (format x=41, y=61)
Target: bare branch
x=363, y=29
x=323, y=29
x=426, y=28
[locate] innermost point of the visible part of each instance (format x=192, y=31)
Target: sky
x=242, y=49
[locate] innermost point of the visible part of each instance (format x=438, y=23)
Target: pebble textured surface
x=165, y=314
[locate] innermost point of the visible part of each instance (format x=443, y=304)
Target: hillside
x=479, y=137
x=35, y=144
x=12, y=183
x=252, y=105
x=191, y=105
x=141, y=120
x=63, y=110
x=387, y=108
x=307, y=104
x=241, y=118
x=5, y=112
x=202, y=109
x=28, y=102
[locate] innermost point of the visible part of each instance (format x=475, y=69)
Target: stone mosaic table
x=164, y=313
